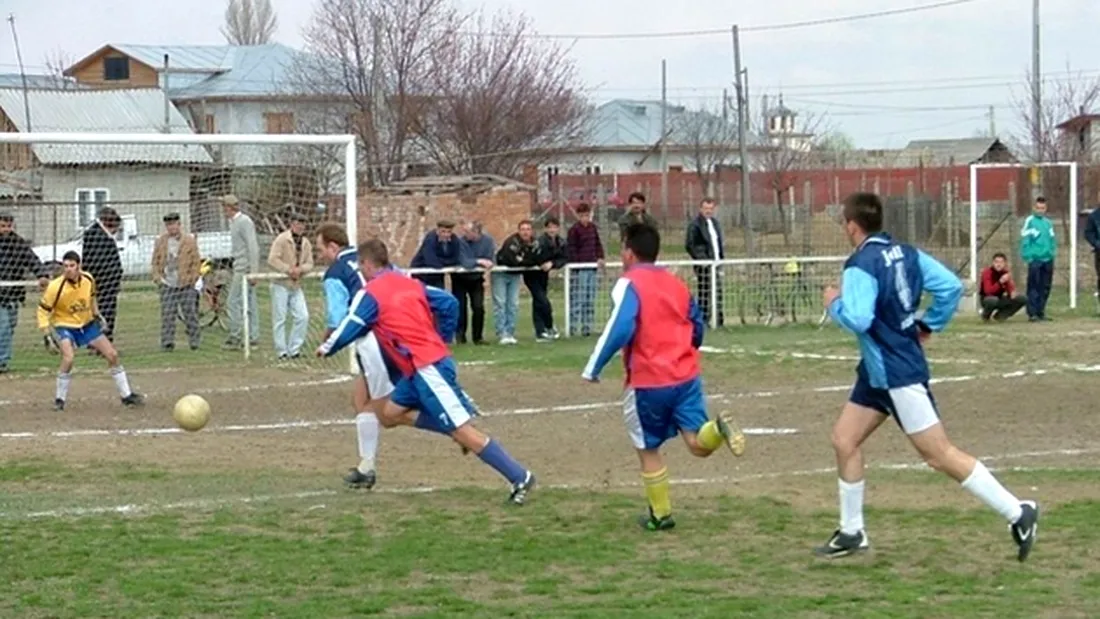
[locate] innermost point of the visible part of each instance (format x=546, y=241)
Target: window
x=208, y=125
x=88, y=203
x=279, y=122
x=592, y=170
x=116, y=69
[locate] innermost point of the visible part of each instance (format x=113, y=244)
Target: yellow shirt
x=68, y=304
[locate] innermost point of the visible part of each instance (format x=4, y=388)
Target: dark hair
x=332, y=233
x=109, y=216
x=171, y=217
x=1000, y=255
x=526, y=222
x=1040, y=200
x=644, y=240
x=551, y=221
x=865, y=209
x=71, y=256
x=375, y=252
x=582, y=208
x=708, y=200
x=636, y=196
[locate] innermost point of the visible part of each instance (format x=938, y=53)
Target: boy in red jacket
x=999, y=298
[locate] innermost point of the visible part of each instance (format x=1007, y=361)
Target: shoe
x=231, y=345
x=522, y=489
x=168, y=347
x=508, y=340
x=480, y=343
x=649, y=522
x=133, y=400
x=294, y=355
x=543, y=338
x=1045, y=319
x=359, y=480
x=842, y=545
x=59, y=404
x=727, y=427
x=1026, y=528
x=554, y=335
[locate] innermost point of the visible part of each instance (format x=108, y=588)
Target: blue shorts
x=654, y=415
x=912, y=406
x=80, y=336
x=434, y=391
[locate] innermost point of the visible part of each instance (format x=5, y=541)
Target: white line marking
x=814, y=356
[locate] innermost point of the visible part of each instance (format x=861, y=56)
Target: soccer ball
x=191, y=413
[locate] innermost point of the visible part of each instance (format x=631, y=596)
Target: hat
x=297, y=217
x=171, y=217
x=6, y=217
x=230, y=200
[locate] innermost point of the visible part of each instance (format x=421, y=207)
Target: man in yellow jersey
x=70, y=319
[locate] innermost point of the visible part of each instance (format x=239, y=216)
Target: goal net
x=113, y=199
x=1002, y=196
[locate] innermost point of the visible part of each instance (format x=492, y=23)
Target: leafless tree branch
x=56, y=62
x=1061, y=100
x=711, y=138
x=249, y=22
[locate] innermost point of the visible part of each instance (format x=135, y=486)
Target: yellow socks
x=656, y=490
x=709, y=437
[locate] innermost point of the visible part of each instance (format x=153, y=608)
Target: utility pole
x=742, y=146
x=992, y=122
x=22, y=72
x=664, y=139
x=1036, y=85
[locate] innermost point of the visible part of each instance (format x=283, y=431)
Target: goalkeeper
x=70, y=320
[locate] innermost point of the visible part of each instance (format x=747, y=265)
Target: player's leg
x=918, y=417
x=104, y=347
x=648, y=417
x=703, y=436
x=369, y=396
x=67, y=349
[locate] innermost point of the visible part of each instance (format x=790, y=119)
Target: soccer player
x=69, y=319
x=413, y=323
x=878, y=300
x=342, y=281
x=659, y=327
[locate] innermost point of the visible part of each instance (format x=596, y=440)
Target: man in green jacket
x=1038, y=246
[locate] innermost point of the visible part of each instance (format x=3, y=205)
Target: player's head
x=526, y=230
x=636, y=201
x=1000, y=261
x=584, y=213
x=641, y=245
x=332, y=238
x=7, y=223
x=1041, y=205
x=707, y=207
x=172, y=224
x=70, y=263
x=552, y=226
x=444, y=230
x=862, y=216
x=374, y=256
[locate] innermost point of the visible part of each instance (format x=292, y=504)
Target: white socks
x=63, y=382
x=851, y=506
x=366, y=425
x=121, y=381
x=983, y=485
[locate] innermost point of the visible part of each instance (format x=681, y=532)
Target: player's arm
x=698, y=325
x=337, y=301
x=361, y=316
x=946, y=290
x=854, y=309
x=619, y=330
x=444, y=307
x=44, y=314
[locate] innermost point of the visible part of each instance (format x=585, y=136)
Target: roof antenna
x=22, y=72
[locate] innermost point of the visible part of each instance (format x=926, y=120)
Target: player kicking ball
x=412, y=323
x=880, y=292
x=658, y=325
x=69, y=318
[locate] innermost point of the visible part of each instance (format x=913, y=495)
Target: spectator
x=102, y=262
x=704, y=242
x=175, y=270
x=999, y=299
x=477, y=251
x=583, y=246
x=438, y=250
x=1038, y=247
x=17, y=260
x=1092, y=235
x=245, y=248
x=291, y=254
x=517, y=251
x=635, y=214
x=551, y=255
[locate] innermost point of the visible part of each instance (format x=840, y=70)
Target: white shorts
x=369, y=356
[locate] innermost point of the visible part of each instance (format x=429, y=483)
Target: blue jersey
x=342, y=281
x=879, y=302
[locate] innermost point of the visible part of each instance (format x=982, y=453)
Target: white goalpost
x=975, y=216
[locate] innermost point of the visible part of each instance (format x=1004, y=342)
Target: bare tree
x=711, y=140
x=499, y=98
x=249, y=22
x=56, y=62
x=1062, y=99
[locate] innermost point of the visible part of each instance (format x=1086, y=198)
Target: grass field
x=106, y=512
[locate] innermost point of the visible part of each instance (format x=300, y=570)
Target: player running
x=69, y=319
x=412, y=323
x=878, y=300
x=659, y=327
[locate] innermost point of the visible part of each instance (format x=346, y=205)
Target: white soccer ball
x=191, y=413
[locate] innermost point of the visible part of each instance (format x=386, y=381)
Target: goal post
x=978, y=242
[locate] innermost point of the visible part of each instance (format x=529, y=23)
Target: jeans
x=235, y=310
x=1004, y=307
x=582, y=300
x=542, y=311
x=505, y=302
x=292, y=300
x=1040, y=276
x=470, y=289
x=176, y=301
x=9, y=317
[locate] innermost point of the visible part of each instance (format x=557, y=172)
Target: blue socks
x=495, y=456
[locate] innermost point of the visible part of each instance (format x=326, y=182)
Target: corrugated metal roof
x=101, y=111
x=207, y=58
x=961, y=151
x=626, y=123
x=49, y=82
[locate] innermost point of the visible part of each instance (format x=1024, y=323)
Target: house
x=55, y=190
x=38, y=81
x=939, y=153
x=1077, y=140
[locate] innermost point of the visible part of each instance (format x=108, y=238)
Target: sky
x=881, y=82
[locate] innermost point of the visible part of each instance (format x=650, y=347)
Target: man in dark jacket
x=476, y=252
x=551, y=255
x=438, y=250
x=635, y=214
x=1092, y=235
x=17, y=261
x=519, y=251
x=101, y=260
x=704, y=242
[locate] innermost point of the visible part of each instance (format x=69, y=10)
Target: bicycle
x=213, y=288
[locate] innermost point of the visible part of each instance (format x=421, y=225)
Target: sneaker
x=522, y=489
x=359, y=480
x=168, y=347
x=133, y=400
x=59, y=404
x=649, y=522
x=727, y=427
x=1026, y=528
x=554, y=334
x=842, y=545
x=543, y=338
x=508, y=340
x=231, y=345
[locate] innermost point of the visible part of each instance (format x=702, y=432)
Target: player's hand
x=485, y=264
x=829, y=294
x=600, y=264
x=320, y=352
x=43, y=282
x=49, y=340
x=545, y=266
